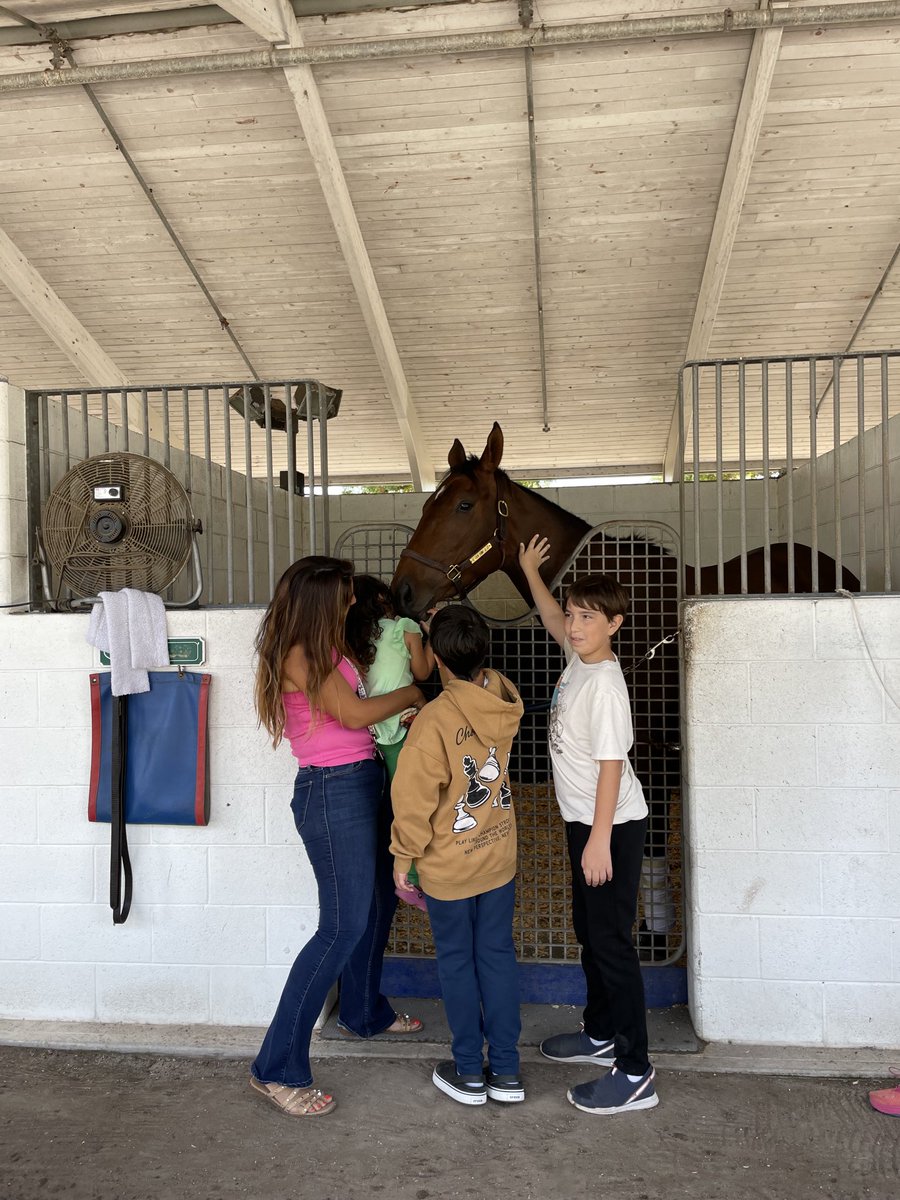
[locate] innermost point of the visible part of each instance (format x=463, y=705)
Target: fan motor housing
x=107, y=526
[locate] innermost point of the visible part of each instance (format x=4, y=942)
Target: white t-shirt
x=590, y=721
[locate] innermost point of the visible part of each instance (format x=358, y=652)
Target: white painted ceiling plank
x=275, y=21
x=751, y=111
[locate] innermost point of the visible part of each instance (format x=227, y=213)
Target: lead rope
x=651, y=653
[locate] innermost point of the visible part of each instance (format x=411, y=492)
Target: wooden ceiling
x=654, y=245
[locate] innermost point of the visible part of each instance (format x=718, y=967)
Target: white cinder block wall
x=218, y=913
x=793, y=820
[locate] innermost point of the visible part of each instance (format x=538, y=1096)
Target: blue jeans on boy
x=476, y=962
x=343, y=816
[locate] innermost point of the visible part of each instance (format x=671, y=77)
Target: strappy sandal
x=402, y=1023
x=295, y=1102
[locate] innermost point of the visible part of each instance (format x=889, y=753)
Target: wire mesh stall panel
x=250, y=490
x=790, y=474
x=645, y=559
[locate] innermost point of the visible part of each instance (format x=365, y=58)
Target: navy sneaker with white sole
x=615, y=1093
x=465, y=1089
x=578, y=1048
x=508, y=1089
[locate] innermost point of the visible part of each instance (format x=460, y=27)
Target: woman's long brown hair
x=309, y=609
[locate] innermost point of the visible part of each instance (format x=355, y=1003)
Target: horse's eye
x=463, y=506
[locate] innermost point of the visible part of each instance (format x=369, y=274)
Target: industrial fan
x=118, y=520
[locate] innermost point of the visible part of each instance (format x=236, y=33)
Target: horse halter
x=454, y=572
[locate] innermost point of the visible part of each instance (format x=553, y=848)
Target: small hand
x=425, y=622
x=401, y=881
x=596, y=862
x=533, y=556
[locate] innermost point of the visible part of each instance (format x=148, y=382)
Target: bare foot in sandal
x=404, y=1023
x=295, y=1102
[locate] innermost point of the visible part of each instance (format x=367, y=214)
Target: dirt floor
x=102, y=1126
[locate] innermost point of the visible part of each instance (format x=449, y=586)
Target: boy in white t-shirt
x=602, y=804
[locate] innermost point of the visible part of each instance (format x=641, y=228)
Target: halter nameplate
x=482, y=552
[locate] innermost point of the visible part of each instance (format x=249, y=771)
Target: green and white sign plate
x=183, y=652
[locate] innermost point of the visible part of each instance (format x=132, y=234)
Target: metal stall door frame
x=546, y=946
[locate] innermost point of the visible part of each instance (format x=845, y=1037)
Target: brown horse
x=473, y=525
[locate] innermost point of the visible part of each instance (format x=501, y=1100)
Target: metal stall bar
x=885, y=476
x=813, y=475
x=322, y=418
x=720, y=514
x=742, y=467
x=167, y=454
x=767, y=542
x=695, y=433
x=270, y=486
x=836, y=459
x=789, y=458
x=229, y=511
x=145, y=412
x=248, y=497
x=860, y=470
x=104, y=419
x=123, y=402
x=292, y=422
x=65, y=432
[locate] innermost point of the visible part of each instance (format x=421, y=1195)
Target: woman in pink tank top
x=309, y=692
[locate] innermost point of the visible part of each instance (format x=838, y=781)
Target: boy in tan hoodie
x=453, y=817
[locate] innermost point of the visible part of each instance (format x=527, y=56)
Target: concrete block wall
x=219, y=913
x=793, y=820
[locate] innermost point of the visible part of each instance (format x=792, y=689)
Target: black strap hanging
x=119, y=860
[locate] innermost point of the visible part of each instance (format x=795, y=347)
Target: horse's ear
x=457, y=455
x=493, y=451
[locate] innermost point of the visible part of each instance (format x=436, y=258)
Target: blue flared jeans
x=343, y=816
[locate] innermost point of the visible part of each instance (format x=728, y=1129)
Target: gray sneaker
x=578, y=1048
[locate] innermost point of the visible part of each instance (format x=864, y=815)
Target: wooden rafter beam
x=274, y=20
x=748, y=123
x=57, y=320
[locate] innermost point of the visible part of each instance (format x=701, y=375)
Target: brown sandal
x=402, y=1023
x=295, y=1102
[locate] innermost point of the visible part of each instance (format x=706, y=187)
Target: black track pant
x=603, y=918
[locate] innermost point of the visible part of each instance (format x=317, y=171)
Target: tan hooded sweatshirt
x=453, y=811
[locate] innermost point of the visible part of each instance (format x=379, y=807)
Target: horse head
x=472, y=526
x=461, y=536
